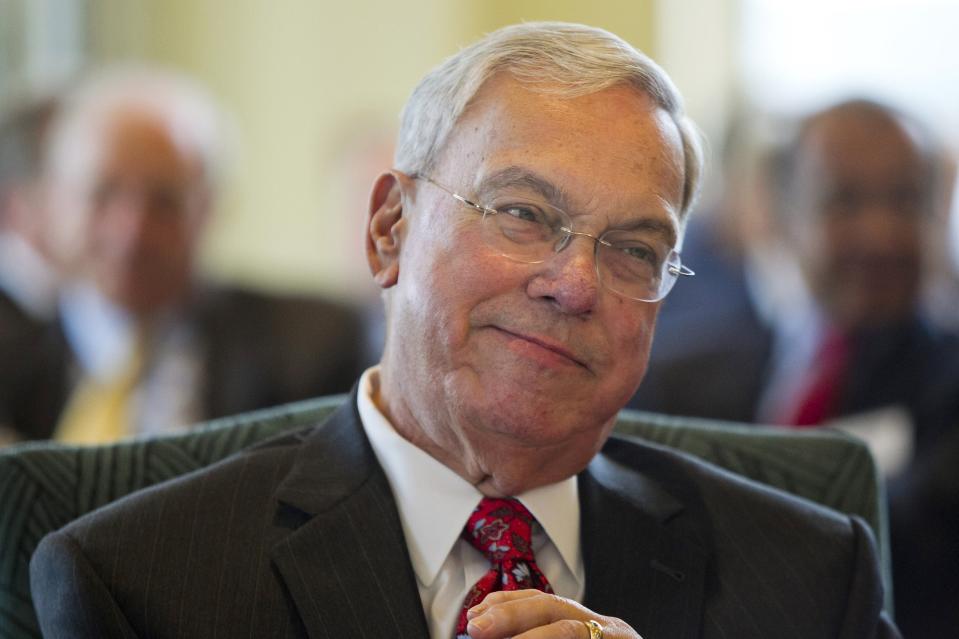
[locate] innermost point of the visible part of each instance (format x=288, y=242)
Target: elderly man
x=523, y=244
x=140, y=344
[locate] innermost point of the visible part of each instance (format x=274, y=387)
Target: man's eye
x=524, y=212
x=634, y=260
x=642, y=253
x=103, y=193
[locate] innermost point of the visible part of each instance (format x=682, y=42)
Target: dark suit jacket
x=300, y=537
x=924, y=521
x=712, y=349
x=711, y=363
x=19, y=335
x=256, y=351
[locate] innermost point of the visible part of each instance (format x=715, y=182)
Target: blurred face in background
x=857, y=210
x=133, y=207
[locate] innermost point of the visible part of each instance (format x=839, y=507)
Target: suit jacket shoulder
x=297, y=537
x=730, y=556
x=174, y=556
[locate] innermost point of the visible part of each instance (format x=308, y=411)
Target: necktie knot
x=501, y=529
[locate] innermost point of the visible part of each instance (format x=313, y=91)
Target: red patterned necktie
x=818, y=401
x=502, y=530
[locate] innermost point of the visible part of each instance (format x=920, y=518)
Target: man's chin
x=539, y=424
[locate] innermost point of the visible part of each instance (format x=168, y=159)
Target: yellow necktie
x=99, y=410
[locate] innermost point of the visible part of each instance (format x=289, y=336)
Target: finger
x=498, y=597
x=562, y=629
x=507, y=616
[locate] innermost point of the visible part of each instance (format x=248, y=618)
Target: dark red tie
x=821, y=395
x=502, y=530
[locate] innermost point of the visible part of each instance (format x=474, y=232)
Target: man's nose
x=129, y=219
x=568, y=278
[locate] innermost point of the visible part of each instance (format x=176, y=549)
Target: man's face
x=537, y=354
x=137, y=211
x=858, y=216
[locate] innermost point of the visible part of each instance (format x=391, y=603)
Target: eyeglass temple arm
x=471, y=204
x=456, y=196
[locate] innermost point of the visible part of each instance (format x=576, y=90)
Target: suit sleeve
x=70, y=597
x=865, y=618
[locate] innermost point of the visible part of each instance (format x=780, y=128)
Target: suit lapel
x=346, y=564
x=643, y=560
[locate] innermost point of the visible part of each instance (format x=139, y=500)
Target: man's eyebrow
x=517, y=176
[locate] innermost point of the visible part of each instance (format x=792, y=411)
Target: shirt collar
x=434, y=502
x=556, y=508
x=100, y=334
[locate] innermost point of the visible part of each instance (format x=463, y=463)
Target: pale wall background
x=315, y=89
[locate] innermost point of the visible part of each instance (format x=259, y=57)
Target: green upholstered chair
x=45, y=485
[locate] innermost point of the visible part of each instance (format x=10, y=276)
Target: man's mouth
x=550, y=348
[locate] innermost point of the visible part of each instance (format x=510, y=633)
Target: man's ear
x=384, y=232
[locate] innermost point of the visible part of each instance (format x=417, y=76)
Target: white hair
x=562, y=59
x=182, y=106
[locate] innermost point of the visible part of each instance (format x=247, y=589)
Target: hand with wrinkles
x=531, y=614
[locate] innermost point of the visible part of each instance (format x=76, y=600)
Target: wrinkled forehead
x=855, y=145
x=613, y=151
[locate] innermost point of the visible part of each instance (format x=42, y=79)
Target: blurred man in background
x=139, y=344
x=853, y=199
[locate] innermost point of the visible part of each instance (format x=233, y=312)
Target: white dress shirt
x=26, y=277
x=434, y=504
